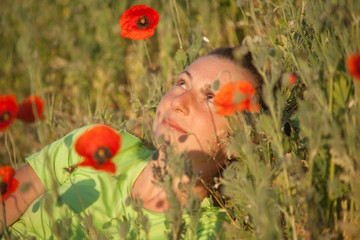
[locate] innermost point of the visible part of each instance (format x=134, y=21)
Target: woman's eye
x=181, y=83
x=210, y=97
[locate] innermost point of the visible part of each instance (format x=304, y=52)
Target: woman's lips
x=173, y=125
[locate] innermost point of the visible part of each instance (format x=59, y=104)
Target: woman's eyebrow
x=188, y=74
x=206, y=88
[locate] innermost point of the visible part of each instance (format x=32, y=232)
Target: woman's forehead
x=207, y=69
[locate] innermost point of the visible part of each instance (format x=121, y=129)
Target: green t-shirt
x=105, y=197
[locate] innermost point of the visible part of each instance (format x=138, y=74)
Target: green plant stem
x=274, y=118
x=351, y=147
x=188, y=14
x=7, y=145
x=304, y=39
x=269, y=155
x=298, y=67
x=220, y=203
x=12, y=154
x=356, y=20
x=311, y=163
x=356, y=93
x=176, y=24
x=147, y=53
x=15, y=162
x=335, y=215
x=77, y=193
x=352, y=210
x=142, y=124
x=254, y=18
x=306, y=83
x=331, y=93
x=176, y=11
x=291, y=208
x=331, y=201
x=6, y=232
x=277, y=129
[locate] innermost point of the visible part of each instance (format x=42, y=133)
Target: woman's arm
x=30, y=187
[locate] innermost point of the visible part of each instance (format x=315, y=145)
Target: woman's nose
x=181, y=102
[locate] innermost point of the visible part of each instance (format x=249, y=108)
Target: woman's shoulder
x=131, y=149
x=128, y=139
x=49, y=163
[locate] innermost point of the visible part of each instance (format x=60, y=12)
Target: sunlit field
x=295, y=173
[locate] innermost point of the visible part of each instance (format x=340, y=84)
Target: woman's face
x=186, y=116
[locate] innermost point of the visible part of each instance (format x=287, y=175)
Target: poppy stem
x=4, y=222
x=331, y=90
x=221, y=204
x=13, y=159
x=77, y=193
x=357, y=93
x=7, y=145
x=147, y=53
x=175, y=22
x=188, y=14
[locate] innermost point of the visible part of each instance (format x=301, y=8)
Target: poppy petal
x=224, y=99
x=98, y=145
x=8, y=183
x=27, y=112
x=353, y=64
x=8, y=110
x=138, y=22
x=292, y=78
x=108, y=166
x=246, y=88
x=225, y=111
x=88, y=162
x=96, y=137
x=235, y=96
x=10, y=189
x=254, y=107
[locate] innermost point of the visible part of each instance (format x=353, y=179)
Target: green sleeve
x=49, y=163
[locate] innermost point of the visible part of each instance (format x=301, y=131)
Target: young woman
x=47, y=205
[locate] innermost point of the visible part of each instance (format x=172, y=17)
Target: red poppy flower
x=235, y=96
x=353, y=64
x=8, y=110
x=98, y=145
x=292, y=78
x=27, y=112
x=138, y=22
x=8, y=183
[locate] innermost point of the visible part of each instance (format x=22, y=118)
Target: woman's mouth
x=173, y=125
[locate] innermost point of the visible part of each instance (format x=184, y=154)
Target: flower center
x=102, y=154
x=3, y=187
x=143, y=22
x=5, y=116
